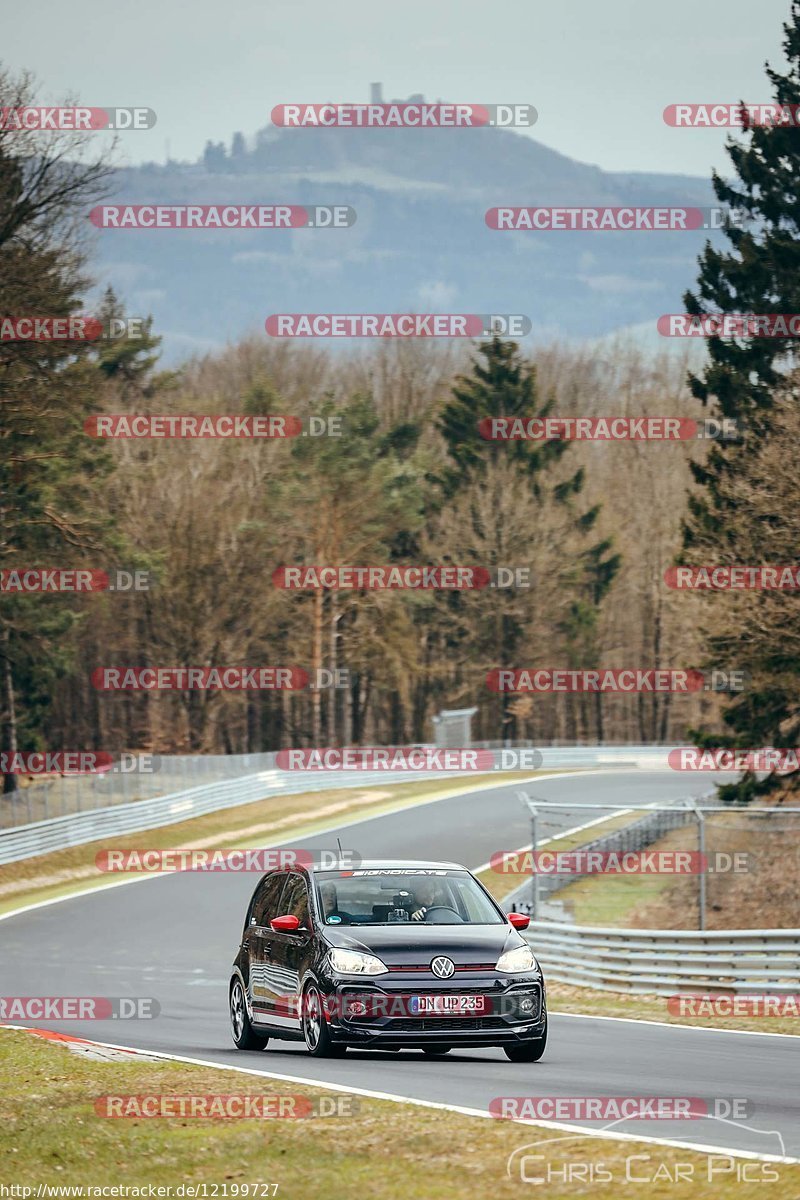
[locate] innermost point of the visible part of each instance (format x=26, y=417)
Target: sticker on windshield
x=403, y=871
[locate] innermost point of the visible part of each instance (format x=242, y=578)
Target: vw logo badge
x=443, y=967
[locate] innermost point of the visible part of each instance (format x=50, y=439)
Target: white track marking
x=673, y=1024
x=625, y=812
x=89, y=891
x=456, y=1108
x=376, y=816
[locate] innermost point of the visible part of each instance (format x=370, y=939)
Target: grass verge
x=51, y=1135
x=613, y=900
x=278, y=818
x=501, y=885
x=563, y=997
x=760, y=893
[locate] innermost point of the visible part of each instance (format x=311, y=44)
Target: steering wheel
x=456, y=917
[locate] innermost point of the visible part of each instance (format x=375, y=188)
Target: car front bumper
x=513, y=1010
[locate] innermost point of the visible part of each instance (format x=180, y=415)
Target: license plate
x=447, y=1005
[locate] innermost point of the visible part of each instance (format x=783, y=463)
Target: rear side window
x=265, y=903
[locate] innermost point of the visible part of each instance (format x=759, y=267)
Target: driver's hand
x=419, y=915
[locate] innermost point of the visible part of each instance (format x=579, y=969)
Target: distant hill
x=419, y=244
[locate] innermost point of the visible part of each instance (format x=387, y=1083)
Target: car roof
x=393, y=864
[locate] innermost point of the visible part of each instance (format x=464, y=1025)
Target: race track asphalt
x=173, y=937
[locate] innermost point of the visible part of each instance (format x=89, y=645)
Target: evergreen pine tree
x=758, y=273
x=503, y=384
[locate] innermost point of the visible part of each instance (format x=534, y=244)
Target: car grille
x=499, y=1017
x=440, y=1024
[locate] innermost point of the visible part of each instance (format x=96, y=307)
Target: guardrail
x=26, y=841
x=144, y=777
x=667, y=962
x=76, y=828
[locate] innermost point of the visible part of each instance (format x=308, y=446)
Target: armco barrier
x=74, y=829
x=667, y=962
x=25, y=841
x=145, y=777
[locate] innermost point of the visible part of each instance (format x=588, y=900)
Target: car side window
x=265, y=904
x=294, y=901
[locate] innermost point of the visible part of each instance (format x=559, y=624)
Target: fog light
x=526, y=1005
x=356, y=1008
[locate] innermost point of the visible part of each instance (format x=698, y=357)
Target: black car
x=386, y=956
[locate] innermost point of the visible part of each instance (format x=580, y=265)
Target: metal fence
x=134, y=778
x=76, y=829
x=632, y=838
x=665, y=962
x=41, y=799
x=231, y=780
x=659, y=961
x=735, y=855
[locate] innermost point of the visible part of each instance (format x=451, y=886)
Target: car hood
x=412, y=944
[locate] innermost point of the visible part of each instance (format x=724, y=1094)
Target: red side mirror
x=284, y=924
x=519, y=920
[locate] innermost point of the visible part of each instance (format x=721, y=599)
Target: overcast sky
x=599, y=74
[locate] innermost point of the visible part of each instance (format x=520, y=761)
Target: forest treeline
x=409, y=480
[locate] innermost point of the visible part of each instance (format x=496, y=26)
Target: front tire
x=244, y=1036
x=528, y=1051
x=315, y=1027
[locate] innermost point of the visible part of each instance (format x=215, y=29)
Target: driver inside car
x=424, y=895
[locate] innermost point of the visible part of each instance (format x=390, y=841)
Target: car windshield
x=393, y=896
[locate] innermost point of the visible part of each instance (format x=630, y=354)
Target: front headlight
x=353, y=962
x=520, y=959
